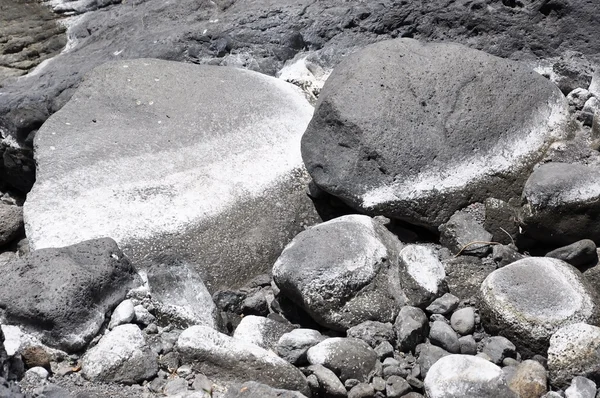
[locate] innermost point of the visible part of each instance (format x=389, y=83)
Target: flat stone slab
x=190, y=163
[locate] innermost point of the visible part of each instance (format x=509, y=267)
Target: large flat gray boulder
x=530, y=299
x=196, y=163
x=64, y=294
x=417, y=131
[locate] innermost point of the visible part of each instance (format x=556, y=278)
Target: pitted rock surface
x=417, y=131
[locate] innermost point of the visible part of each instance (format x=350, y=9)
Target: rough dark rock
x=562, y=204
x=572, y=70
x=428, y=355
x=11, y=223
x=462, y=233
x=464, y=275
x=577, y=254
x=505, y=254
x=411, y=327
x=501, y=220
x=443, y=305
x=347, y=357
x=365, y=141
x=373, y=333
x=442, y=335
x=64, y=293
x=294, y=345
x=497, y=348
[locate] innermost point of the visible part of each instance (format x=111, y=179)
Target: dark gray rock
x=384, y=350
x=64, y=293
x=347, y=357
x=255, y=304
x=577, y=254
x=468, y=345
x=294, y=345
x=179, y=294
x=464, y=275
x=329, y=384
x=462, y=233
x=373, y=333
x=505, y=254
x=343, y=272
x=252, y=389
x=263, y=332
x=572, y=71
x=465, y=376
x=396, y=387
x=466, y=157
x=442, y=335
x=362, y=390
x=574, y=351
x=501, y=220
x=562, y=204
x=230, y=157
x=497, y=348
x=463, y=321
x=520, y=304
x=11, y=223
x=227, y=360
x=429, y=354
x=443, y=305
x=412, y=327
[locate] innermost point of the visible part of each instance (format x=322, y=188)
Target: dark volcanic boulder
x=530, y=299
x=64, y=293
x=562, y=204
x=179, y=163
x=416, y=131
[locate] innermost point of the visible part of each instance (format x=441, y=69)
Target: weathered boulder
x=204, y=169
x=578, y=254
x=574, y=351
x=530, y=299
x=263, y=332
x=348, y=358
x=417, y=131
x=228, y=360
x=122, y=356
x=64, y=293
x=562, y=204
x=530, y=380
x=343, y=272
x=465, y=376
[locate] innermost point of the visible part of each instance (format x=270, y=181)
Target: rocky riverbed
x=300, y=199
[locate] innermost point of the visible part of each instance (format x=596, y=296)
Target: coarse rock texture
x=422, y=275
x=64, y=293
x=121, y=355
x=411, y=327
x=562, y=204
x=464, y=275
x=530, y=379
x=253, y=389
x=465, y=376
x=581, y=253
x=348, y=358
x=179, y=293
x=146, y=134
x=263, y=35
x=462, y=233
x=228, y=360
x=343, y=272
x=527, y=309
x=416, y=131
x=294, y=345
x=263, y=332
x=574, y=351
x=11, y=223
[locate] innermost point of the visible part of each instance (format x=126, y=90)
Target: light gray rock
x=572, y=70
x=124, y=313
x=463, y=321
x=461, y=232
x=580, y=253
x=465, y=376
x=64, y=293
x=581, y=388
x=343, y=272
x=442, y=335
x=143, y=316
x=175, y=387
x=443, y=305
x=574, y=351
x=578, y=97
x=423, y=277
x=530, y=380
x=362, y=390
x=347, y=357
x=263, y=332
x=37, y=373
x=412, y=327
x=497, y=348
x=252, y=389
x=384, y=350
x=373, y=333
x=590, y=108
x=179, y=294
x=217, y=152
x=228, y=360
x=329, y=384
x=11, y=223
x=527, y=309
x=121, y=356
x=485, y=121
x=562, y=204
x=294, y=345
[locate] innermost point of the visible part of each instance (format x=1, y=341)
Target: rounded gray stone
x=463, y=321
